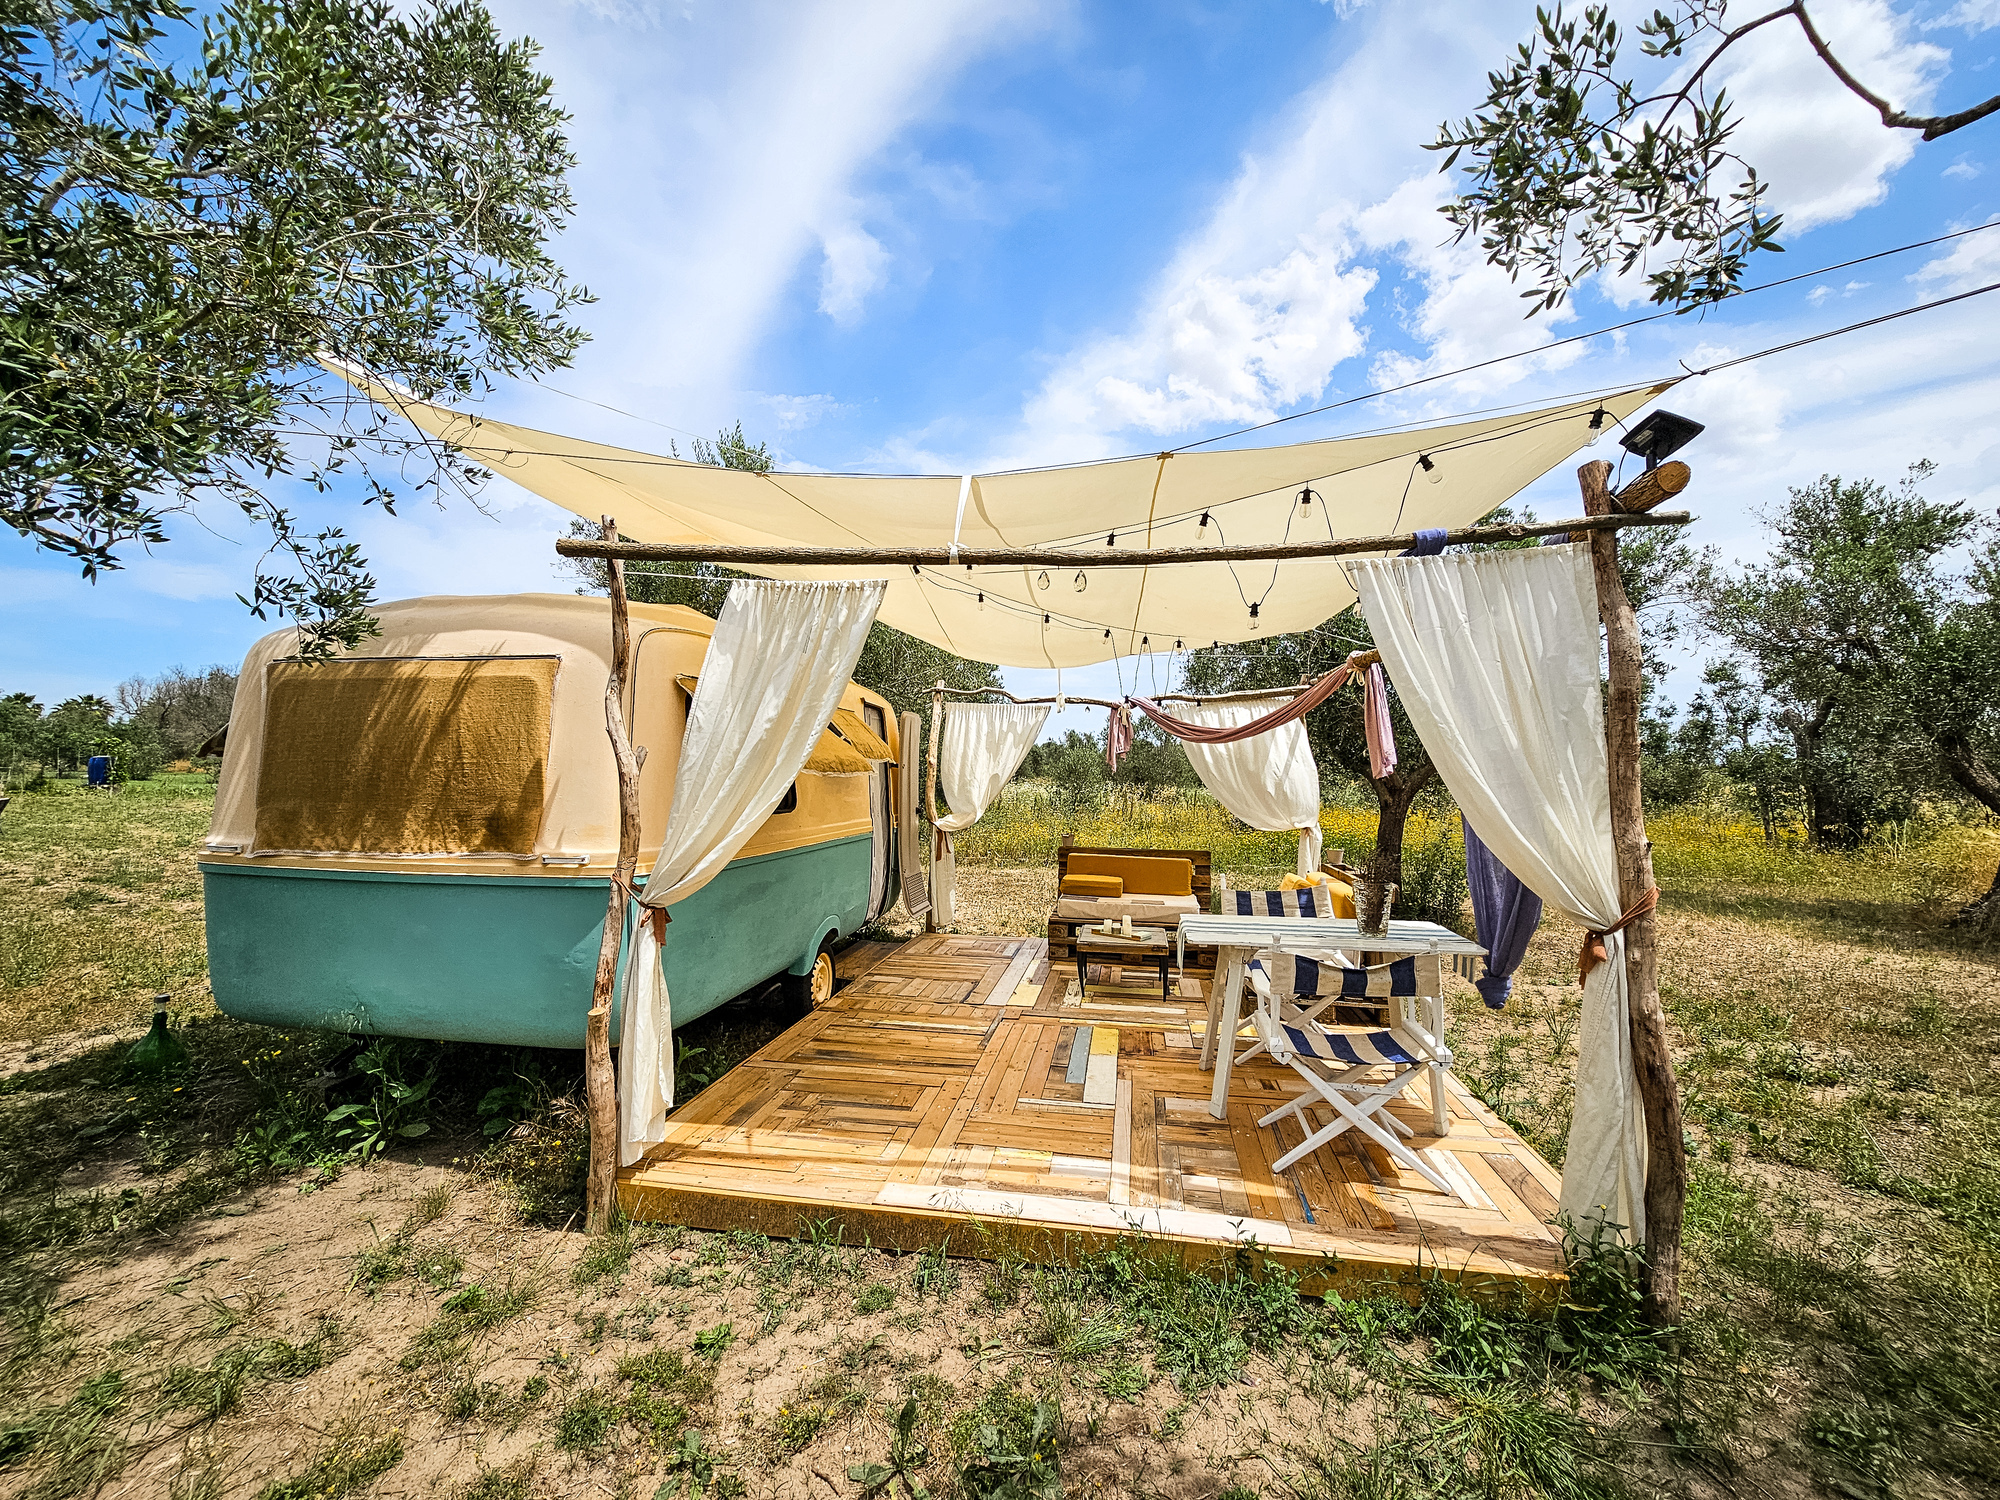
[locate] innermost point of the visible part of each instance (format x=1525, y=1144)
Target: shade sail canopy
x=1366, y=485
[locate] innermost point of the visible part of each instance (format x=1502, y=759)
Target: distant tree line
x=1858, y=684
x=146, y=724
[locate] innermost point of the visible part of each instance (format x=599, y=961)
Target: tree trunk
x=1652, y=1061
x=1395, y=794
x=1969, y=769
x=600, y=1193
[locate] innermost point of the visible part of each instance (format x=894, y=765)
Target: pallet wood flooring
x=962, y=1089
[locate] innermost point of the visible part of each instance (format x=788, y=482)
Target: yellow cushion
x=1300, y=882
x=1142, y=874
x=1092, y=885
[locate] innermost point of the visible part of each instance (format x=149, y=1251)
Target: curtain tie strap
x=1594, y=952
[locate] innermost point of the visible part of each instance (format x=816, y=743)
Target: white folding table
x=1237, y=939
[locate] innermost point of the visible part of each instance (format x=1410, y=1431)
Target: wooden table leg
x=1440, y=1106
x=1225, y=1002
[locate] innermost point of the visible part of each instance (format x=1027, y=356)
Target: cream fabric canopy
x=1366, y=485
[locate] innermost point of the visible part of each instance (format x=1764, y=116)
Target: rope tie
x=1594, y=951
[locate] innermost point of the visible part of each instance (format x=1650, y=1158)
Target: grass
x=100, y=902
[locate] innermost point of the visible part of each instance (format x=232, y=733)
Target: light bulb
x=1082, y=583
x=1596, y=426
x=982, y=601
x=1042, y=581
x=1202, y=530
x=1431, y=471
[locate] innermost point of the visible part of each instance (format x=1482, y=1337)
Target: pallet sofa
x=1155, y=887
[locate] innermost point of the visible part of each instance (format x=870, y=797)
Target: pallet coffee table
x=1147, y=945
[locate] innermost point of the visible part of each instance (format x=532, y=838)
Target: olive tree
x=1574, y=165
x=206, y=209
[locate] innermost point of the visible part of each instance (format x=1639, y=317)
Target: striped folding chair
x=1337, y=1065
x=1305, y=985
x=1312, y=901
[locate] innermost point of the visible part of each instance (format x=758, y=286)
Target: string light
x=1253, y=618
x=1597, y=426
x=1431, y=471
x=1111, y=540
x=1306, y=498
x=1042, y=581
x=1082, y=583
x=982, y=601
x=1202, y=530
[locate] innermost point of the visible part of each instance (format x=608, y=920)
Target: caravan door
x=880, y=817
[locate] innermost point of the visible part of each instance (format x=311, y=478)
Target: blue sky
x=938, y=236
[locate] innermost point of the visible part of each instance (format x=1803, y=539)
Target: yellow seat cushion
x=1093, y=885
x=1142, y=874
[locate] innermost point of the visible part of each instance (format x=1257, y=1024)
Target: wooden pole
x=930, y=801
x=1099, y=557
x=1652, y=1062
x=600, y=1082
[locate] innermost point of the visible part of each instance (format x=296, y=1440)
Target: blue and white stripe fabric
x=1295, y=974
x=1310, y=901
x=1351, y=1048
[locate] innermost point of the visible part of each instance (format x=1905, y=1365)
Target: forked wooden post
x=600, y=1082
x=930, y=801
x=1652, y=1062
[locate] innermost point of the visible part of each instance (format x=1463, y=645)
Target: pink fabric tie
x=1375, y=723
x=1118, y=738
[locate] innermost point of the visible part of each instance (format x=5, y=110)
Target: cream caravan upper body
x=469, y=736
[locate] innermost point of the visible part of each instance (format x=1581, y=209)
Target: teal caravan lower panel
x=501, y=958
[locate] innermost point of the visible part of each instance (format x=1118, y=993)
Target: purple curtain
x=1506, y=912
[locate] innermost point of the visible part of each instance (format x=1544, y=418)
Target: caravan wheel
x=807, y=992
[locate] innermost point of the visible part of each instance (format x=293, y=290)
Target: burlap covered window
x=412, y=755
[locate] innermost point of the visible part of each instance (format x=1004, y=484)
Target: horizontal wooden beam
x=1099, y=557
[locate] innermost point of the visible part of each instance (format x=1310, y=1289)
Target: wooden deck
x=960, y=1089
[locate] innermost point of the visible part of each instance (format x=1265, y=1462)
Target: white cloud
x=1471, y=311
x=855, y=265
x=1265, y=298
x=717, y=152
x=1968, y=15
x=1825, y=152
x=1972, y=261
x=793, y=413
x=1962, y=169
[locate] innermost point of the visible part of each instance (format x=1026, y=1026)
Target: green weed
x=350, y=1461
x=586, y=1420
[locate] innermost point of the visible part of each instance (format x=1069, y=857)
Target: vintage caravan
x=416, y=838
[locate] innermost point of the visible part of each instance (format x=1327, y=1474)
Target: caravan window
x=405, y=755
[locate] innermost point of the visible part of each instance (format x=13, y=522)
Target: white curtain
x=1496, y=657
x=1270, y=780
x=775, y=671
x=979, y=749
